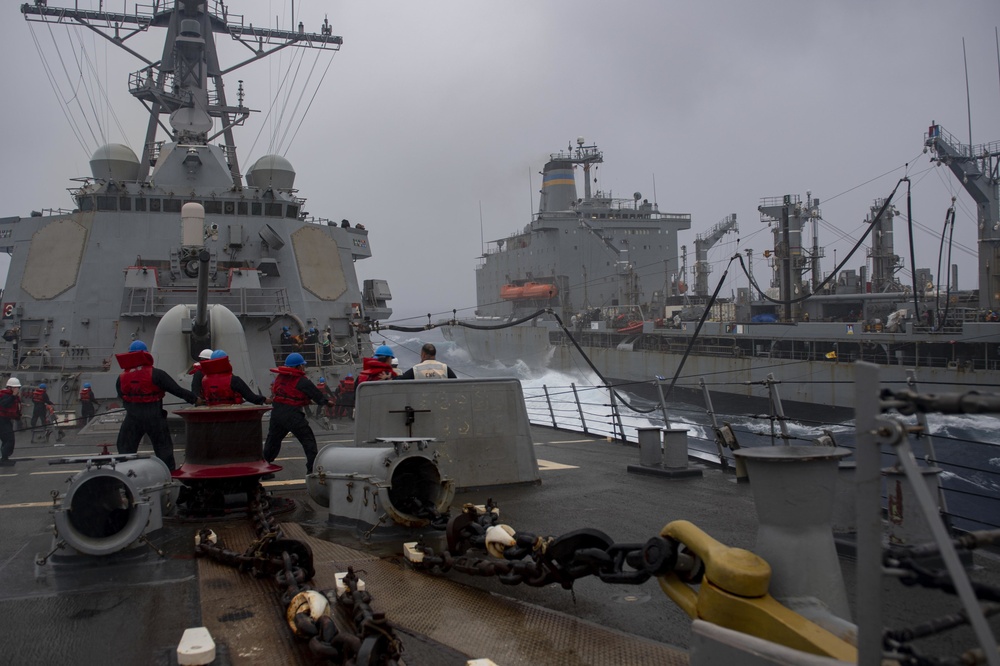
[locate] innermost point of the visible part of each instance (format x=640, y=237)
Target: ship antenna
x=482, y=239
x=996, y=36
x=655, y=202
x=968, y=104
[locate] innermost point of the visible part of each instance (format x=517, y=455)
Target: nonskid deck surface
x=133, y=609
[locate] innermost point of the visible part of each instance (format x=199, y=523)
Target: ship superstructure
x=595, y=262
x=581, y=253
x=84, y=283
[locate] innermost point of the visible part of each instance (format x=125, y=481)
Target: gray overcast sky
x=434, y=109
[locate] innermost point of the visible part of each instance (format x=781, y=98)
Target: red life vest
x=86, y=395
x=13, y=410
x=137, y=384
x=216, y=384
x=39, y=395
x=346, y=385
x=284, y=387
x=372, y=369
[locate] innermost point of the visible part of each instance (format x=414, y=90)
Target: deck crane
x=978, y=169
x=702, y=244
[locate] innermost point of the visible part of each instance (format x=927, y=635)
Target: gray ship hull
x=734, y=379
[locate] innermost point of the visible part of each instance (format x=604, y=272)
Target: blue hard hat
x=137, y=345
x=385, y=350
x=284, y=328
x=218, y=353
x=86, y=385
x=294, y=360
x=41, y=386
x=350, y=376
x=322, y=380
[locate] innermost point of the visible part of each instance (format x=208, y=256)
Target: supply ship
x=605, y=276
x=122, y=259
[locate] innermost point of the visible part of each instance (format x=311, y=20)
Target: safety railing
x=970, y=497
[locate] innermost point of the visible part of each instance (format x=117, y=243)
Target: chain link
x=290, y=563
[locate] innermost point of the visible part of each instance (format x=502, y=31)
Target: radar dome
x=271, y=171
x=114, y=161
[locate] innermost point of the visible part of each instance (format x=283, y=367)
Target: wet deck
x=132, y=609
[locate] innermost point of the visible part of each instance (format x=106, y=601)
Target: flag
x=831, y=354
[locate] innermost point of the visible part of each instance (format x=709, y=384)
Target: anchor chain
x=308, y=611
x=525, y=558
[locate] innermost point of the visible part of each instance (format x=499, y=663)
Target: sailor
x=309, y=341
x=196, y=371
x=10, y=411
x=41, y=403
x=429, y=367
x=324, y=388
x=88, y=403
x=378, y=367
x=345, y=397
x=141, y=388
x=285, y=341
x=292, y=391
x=219, y=386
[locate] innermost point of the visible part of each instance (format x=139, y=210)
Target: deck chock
x=663, y=452
x=196, y=647
x=342, y=586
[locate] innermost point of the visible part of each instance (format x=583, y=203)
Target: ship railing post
x=616, y=419
x=741, y=468
x=548, y=401
x=663, y=402
x=576, y=397
x=868, y=481
x=778, y=410
x=911, y=381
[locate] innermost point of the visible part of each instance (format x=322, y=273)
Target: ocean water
x=965, y=447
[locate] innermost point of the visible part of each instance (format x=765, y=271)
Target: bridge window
x=272, y=209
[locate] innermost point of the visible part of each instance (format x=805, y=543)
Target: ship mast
x=978, y=170
x=186, y=83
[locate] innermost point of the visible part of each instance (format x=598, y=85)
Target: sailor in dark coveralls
x=141, y=388
x=10, y=411
x=88, y=403
x=219, y=386
x=40, y=410
x=292, y=392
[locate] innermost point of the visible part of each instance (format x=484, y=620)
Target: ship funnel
x=558, y=187
x=113, y=502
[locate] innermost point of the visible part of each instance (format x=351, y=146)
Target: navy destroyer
x=606, y=276
x=146, y=225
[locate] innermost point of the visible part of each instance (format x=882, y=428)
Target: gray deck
x=134, y=611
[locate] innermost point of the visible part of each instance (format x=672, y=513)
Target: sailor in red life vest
x=195, y=371
x=41, y=401
x=88, y=403
x=292, y=392
x=345, y=397
x=378, y=367
x=10, y=411
x=429, y=367
x=141, y=388
x=219, y=386
x=324, y=388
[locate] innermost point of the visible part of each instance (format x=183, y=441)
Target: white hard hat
x=13, y=382
x=205, y=354
x=395, y=362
